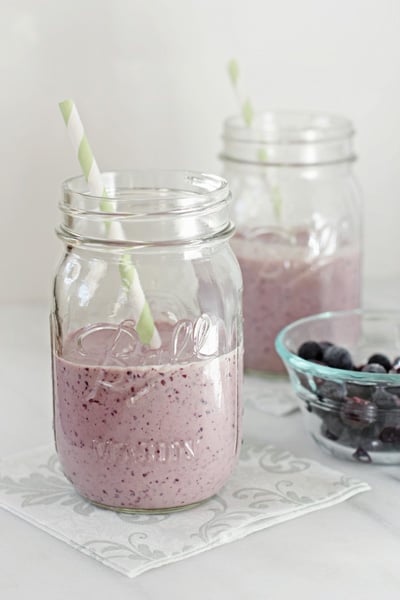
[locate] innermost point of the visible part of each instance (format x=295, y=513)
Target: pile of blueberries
x=363, y=416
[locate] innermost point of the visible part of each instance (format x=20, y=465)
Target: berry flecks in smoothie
x=147, y=436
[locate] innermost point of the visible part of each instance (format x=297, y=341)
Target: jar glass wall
x=297, y=209
x=143, y=426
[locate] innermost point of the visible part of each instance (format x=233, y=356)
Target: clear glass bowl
x=352, y=414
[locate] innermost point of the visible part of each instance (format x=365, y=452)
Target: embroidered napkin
x=272, y=395
x=269, y=486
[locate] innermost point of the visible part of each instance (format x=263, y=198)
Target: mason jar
x=297, y=210
x=147, y=340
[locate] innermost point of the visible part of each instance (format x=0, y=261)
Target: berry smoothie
x=282, y=283
x=153, y=436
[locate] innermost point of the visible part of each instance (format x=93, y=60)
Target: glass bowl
x=352, y=414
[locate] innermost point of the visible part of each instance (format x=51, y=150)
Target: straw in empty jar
x=140, y=308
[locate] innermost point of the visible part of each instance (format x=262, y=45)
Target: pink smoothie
x=282, y=284
x=150, y=436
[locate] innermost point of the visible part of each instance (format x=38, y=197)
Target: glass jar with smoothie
x=297, y=209
x=147, y=419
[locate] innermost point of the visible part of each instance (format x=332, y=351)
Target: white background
x=149, y=77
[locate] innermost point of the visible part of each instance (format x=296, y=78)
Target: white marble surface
x=348, y=551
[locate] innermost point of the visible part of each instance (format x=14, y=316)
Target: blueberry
x=383, y=399
x=325, y=345
x=360, y=390
x=332, y=389
x=381, y=359
x=333, y=427
x=350, y=437
x=358, y=413
x=362, y=455
x=310, y=351
x=389, y=418
x=373, y=368
x=331, y=436
x=338, y=358
x=389, y=435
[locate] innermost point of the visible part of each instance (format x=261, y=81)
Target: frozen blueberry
x=381, y=359
x=373, y=368
x=333, y=427
x=350, y=437
x=389, y=435
x=331, y=436
x=360, y=390
x=358, y=413
x=362, y=455
x=335, y=390
x=325, y=345
x=338, y=358
x=310, y=351
x=383, y=399
x=389, y=418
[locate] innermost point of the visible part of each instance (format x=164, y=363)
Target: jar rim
x=288, y=127
x=198, y=188
x=146, y=207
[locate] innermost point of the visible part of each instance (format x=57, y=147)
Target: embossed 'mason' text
x=145, y=452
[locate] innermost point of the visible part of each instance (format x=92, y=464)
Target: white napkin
x=269, y=486
x=272, y=395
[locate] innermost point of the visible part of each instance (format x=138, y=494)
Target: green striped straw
x=246, y=107
x=246, y=110
x=142, y=316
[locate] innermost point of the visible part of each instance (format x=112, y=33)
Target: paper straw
x=141, y=313
x=246, y=110
x=246, y=107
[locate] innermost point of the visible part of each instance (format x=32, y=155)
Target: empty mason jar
x=297, y=210
x=147, y=419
